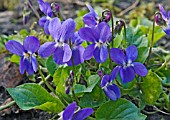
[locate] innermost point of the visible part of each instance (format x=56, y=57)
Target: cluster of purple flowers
x=67, y=49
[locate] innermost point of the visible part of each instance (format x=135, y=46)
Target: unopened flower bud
x=159, y=20
x=108, y=17
x=100, y=73
x=67, y=91
x=55, y=7
x=119, y=26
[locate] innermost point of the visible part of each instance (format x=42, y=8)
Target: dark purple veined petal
x=114, y=73
x=49, y=11
x=100, y=54
x=15, y=47
x=62, y=54
x=31, y=44
x=67, y=29
x=29, y=67
x=112, y=92
x=127, y=74
x=45, y=7
x=140, y=69
x=88, y=34
x=41, y=5
x=131, y=53
x=82, y=114
x=54, y=28
x=46, y=49
x=104, y=31
x=88, y=53
x=34, y=63
x=167, y=30
x=69, y=111
x=67, y=53
x=163, y=12
x=76, y=39
x=42, y=21
x=46, y=29
x=77, y=56
x=105, y=80
x=23, y=65
x=118, y=56
x=90, y=20
x=92, y=10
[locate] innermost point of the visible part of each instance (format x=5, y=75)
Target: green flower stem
x=2, y=107
x=124, y=42
x=41, y=82
x=151, y=42
x=72, y=88
x=44, y=80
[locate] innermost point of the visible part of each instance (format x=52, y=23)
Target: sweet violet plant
x=125, y=69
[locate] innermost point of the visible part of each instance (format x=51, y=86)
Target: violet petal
x=15, y=47
x=140, y=69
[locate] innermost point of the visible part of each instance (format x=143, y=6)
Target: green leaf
x=158, y=34
x=143, y=53
x=93, y=99
x=151, y=88
x=121, y=109
x=15, y=59
x=31, y=95
x=51, y=65
x=118, y=40
x=91, y=83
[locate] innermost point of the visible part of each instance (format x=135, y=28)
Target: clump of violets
x=73, y=112
x=99, y=37
x=126, y=64
x=44, y=21
x=163, y=19
x=61, y=32
x=110, y=89
x=26, y=52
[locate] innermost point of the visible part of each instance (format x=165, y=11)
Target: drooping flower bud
x=67, y=90
x=119, y=26
x=159, y=20
x=108, y=16
x=100, y=73
x=55, y=7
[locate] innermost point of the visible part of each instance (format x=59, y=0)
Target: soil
x=11, y=21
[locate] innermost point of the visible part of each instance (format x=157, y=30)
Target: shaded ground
x=11, y=21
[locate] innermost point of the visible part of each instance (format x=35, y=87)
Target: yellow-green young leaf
x=15, y=59
x=151, y=88
x=143, y=53
x=31, y=95
x=118, y=40
x=158, y=34
x=121, y=109
x=50, y=107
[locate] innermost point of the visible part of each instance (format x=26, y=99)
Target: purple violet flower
x=91, y=18
x=61, y=32
x=26, y=51
x=126, y=65
x=77, y=50
x=44, y=21
x=99, y=37
x=110, y=89
x=70, y=113
x=165, y=17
